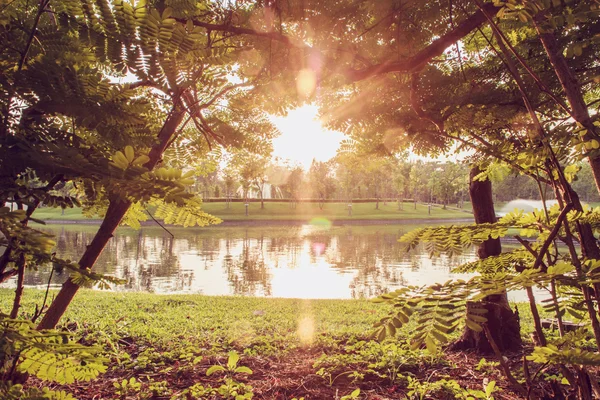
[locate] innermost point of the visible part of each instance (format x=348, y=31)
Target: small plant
x=487, y=366
x=555, y=378
x=351, y=396
x=448, y=387
x=423, y=390
x=197, y=391
x=488, y=389
x=231, y=389
x=232, y=367
x=384, y=360
x=127, y=387
x=326, y=374
x=159, y=388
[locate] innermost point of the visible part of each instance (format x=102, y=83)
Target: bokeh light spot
x=306, y=330
x=306, y=82
x=320, y=222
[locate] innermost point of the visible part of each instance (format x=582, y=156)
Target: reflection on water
x=296, y=261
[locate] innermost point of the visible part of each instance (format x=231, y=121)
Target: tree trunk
x=502, y=322
x=114, y=214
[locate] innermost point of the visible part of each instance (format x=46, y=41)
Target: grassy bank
x=316, y=349
x=302, y=211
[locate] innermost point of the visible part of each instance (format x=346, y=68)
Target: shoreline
x=281, y=222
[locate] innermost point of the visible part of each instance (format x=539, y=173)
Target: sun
x=303, y=137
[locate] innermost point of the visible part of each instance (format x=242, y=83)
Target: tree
x=348, y=173
x=504, y=326
x=400, y=179
x=446, y=122
x=516, y=186
x=71, y=123
x=229, y=182
x=447, y=182
x=293, y=182
x=251, y=169
x=321, y=181
x=417, y=181
x=467, y=100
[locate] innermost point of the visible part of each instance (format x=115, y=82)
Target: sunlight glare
x=299, y=281
x=303, y=137
x=242, y=333
x=306, y=324
x=306, y=82
x=306, y=330
x=320, y=222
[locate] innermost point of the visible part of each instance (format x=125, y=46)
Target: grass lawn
x=46, y=213
x=332, y=211
x=316, y=349
x=303, y=211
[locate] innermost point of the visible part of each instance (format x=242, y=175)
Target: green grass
x=332, y=211
x=69, y=214
x=256, y=325
x=303, y=211
x=267, y=326
x=159, y=338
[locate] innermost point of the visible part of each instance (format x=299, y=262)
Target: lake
x=304, y=261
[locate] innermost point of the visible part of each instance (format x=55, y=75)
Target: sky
x=303, y=137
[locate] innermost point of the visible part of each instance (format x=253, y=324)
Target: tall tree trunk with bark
x=502, y=322
x=114, y=214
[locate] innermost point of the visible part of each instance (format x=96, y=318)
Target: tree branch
x=415, y=103
x=411, y=64
x=436, y=48
x=40, y=11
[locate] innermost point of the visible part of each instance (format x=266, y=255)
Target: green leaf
x=574, y=313
x=214, y=369
x=232, y=361
x=440, y=337
x=243, y=370
x=381, y=335
x=490, y=388
x=391, y=330
x=477, y=318
x=430, y=345
x=129, y=153
x=473, y=326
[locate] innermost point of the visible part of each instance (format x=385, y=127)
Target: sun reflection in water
x=310, y=279
x=318, y=248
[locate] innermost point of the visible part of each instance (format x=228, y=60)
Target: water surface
x=296, y=261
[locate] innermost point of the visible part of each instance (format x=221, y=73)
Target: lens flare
x=306, y=82
x=318, y=248
x=306, y=330
x=320, y=222
x=242, y=333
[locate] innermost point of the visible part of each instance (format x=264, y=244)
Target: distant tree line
x=349, y=177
